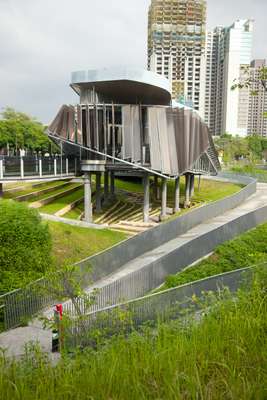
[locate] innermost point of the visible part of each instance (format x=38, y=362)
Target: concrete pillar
x=156, y=188
x=88, y=209
x=1, y=169
x=112, y=184
x=192, y=185
x=40, y=168
x=146, y=198
x=21, y=167
x=55, y=166
x=187, y=190
x=75, y=166
x=98, y=192
x=163, y=199
x=106, y=185
x=177, y=195
x=67, y=166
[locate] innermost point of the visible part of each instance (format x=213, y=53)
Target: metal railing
x=166, y=305
x=36, y=167
x=25, y=303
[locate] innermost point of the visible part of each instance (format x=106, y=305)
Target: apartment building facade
x=176, y=47
x=257, y=123
x=227, y=57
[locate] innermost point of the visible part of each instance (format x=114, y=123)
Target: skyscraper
x=228, y=55
x=257, y=123
x=176, y=45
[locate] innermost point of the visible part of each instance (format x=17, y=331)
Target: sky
x=43, y=41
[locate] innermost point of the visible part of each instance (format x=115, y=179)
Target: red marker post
x=57, y=336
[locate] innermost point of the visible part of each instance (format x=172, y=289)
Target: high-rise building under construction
x=176, y=46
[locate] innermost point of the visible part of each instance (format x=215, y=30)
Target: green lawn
x=247, y=249
x=62, y=202
x=72, y=244
x=222, y=356
x=29, y=188
x=56, y=191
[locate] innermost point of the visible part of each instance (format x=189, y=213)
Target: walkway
x=16, y=339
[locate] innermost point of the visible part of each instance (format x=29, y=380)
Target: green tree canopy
x=21, y=131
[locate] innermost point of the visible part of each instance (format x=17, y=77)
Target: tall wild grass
x=222, y=355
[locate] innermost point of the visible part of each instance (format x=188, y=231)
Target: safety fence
x=147, y=311
x=21, y=304
x=37, y=167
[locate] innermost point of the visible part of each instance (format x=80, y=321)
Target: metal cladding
x=165, y=139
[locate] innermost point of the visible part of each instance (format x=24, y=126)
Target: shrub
x=26, y=244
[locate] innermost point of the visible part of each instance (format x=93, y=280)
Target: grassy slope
x=72, y=244
x=247, y=249
x=222, y=357
x=28, y=188
x=209, y=191
x=62, y=202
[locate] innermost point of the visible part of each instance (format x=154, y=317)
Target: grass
x=56, y=191
x=221, y=357
x=29, y=188
x=209, y=191
x=72, y=243
x=62, y=202
x=247, y=249
x=251, y=170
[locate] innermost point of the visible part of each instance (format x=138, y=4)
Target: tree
x=25, y=251
x=21, y=131
x=245, y=81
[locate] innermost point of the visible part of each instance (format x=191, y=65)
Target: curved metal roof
x=125, y=85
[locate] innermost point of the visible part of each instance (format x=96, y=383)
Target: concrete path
x=15, y=340
x=258, y=200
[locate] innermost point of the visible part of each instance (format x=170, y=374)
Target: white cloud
x=41, y=42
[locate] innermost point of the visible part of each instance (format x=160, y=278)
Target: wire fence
x=147, y=311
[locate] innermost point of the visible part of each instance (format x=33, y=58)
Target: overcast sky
x=42, y=41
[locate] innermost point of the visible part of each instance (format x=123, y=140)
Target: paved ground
x=14, y=341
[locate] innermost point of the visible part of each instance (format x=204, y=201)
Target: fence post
x=21, y=167
x=1, y=170
x=55, y=166
x=40, y=168
x=67, y=166
x=75, y=166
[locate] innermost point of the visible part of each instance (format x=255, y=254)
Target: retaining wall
x=111, y=260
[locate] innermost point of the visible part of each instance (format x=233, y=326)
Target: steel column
x=88, y=209
x=146, y=198
x=163, y=198
x=187, y=190
x=98, y=192
x=177, y=195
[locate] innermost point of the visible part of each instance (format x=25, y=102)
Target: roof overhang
x=124, y=85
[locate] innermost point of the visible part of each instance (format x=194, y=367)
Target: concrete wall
x=111, y=260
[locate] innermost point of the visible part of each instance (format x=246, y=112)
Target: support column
x=112, y=185
x=55, y=166
x=106, y=184
x=177, y=195
x=21, y=167
x=156, y=188
x=187, y=190
x=98, y=192
x=163, y=199
x=1, y=169
x=146, y=198
x=40, y=168
x=67, y=166
x=88, y=209
x=192, y=185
